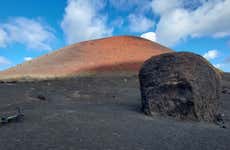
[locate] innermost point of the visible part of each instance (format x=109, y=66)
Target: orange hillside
x=114, y=54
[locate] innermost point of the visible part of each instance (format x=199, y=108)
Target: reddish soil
x=121, y=53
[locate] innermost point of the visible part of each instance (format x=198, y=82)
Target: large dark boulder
x=182, y=85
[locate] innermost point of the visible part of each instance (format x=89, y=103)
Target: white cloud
x=150, y=36
x=218, y=65
x=139, y=23
x=82, y=21
x=162, y=6
x=28, y=58
x=31, y=33
x=4, y=61
x=178, y=22
x=134, y=5
x=3, y=37
x=212, y=54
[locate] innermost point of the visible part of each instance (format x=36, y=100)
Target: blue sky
x=31, y=28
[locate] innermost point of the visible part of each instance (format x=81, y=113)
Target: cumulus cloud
x=28, y=58
x=150, y=36
x=4, y=61
x=134, y=5
x=224, y=64
x=3, y=37
x=211, y=54
x=218, y=65
x=177, y=22
x=162, y=6
x=31, y=33
x=82, y=21
x=139, y=23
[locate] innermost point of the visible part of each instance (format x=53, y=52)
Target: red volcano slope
x=114, y=54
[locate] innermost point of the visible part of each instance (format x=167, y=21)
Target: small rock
x=41, y=97
x=220, y=121
x=76, y=94
x=225, y=91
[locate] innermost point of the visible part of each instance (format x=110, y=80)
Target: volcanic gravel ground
x=99, y=113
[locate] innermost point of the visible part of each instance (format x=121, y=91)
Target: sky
x=31, y=28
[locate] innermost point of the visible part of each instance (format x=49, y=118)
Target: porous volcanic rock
x=182, y=85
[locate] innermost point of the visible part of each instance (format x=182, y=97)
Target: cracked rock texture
x=181, y=85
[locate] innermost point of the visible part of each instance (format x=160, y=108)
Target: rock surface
x=182, y=85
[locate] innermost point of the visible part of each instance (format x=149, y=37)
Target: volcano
x=107, y=55
x=103, y=110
